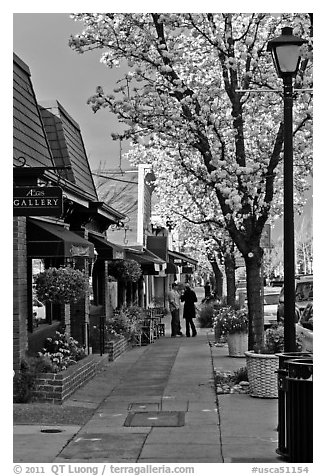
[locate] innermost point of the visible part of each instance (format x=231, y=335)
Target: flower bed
x=57, y=387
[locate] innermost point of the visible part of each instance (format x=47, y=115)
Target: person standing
x=174, y=305
x=189, y=311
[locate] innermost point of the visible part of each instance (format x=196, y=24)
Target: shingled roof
x=67, y=146
x=29, y=141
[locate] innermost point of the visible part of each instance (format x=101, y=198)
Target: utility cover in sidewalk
x=155, y=419
x=143, y=407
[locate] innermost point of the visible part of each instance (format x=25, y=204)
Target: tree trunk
x=218, y=278
x=254, y=298
x=229, y=263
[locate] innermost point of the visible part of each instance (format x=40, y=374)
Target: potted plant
x=233, y=324
x=263, y=363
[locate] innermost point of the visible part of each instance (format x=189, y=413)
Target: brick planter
x=57, y=387
x=113, y=347
x=116, y=347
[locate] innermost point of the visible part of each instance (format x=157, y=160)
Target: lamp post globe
x=285, y=51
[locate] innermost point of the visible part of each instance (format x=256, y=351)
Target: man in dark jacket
x=189, y=311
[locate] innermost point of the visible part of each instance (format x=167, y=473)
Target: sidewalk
x=158, y=404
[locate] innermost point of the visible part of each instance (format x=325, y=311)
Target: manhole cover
x=51, y=430
x=143, y=407
x=155, y=419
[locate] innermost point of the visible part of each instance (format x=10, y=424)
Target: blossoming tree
x=187, y=91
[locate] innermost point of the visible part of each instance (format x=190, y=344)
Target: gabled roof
x=67, y=146
x=29, y=141
x=46, y=136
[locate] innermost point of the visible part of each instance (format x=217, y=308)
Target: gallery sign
x=37, y=201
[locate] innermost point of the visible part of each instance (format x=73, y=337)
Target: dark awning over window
x=184, y=262
x=46, y=240
x=149, y=262
x=180, y=258
x=104, y=248
x=144, y=257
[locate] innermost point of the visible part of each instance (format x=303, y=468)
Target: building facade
x=49, y=157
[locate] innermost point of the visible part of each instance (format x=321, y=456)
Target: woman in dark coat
x=189, y=311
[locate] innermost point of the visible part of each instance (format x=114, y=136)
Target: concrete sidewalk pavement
x=158, y=404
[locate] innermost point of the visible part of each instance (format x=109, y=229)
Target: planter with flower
x=233, y=324
x=263, y=363
x=119, y=331
x=56, y=372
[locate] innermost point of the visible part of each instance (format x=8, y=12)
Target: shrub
x=24, y=383
x=128, y=321
x=59, y=353
x=231, y=378
x=241, y=375
x=206, y=315
x=274, y=341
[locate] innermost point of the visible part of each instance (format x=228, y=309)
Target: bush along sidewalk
x=231, y=382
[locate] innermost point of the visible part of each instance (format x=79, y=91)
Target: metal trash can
x=283, y=404
x=300, y=404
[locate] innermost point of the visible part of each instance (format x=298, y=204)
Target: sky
x=58, y=72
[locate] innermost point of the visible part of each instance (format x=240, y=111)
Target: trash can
x=283, y=404
x=300, y=405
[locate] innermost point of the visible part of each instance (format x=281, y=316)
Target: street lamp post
x=285, y=51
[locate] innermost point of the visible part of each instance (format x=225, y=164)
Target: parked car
x=277, y=283
x=270, y=308
x=304, y=328
x=38, y=312
x=271, y=298
x=303, y=295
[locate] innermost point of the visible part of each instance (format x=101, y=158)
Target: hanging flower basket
x=61, y=285
x=125, y=270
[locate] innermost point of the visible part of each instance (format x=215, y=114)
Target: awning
x=46, y=240
x=180, y=258
x=184, y=262
x=144, y=257
x=150, y=263
x=106, y=249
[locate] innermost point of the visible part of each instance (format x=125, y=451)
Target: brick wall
x=19, y=291
x=115, y=348
x=55, y=388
